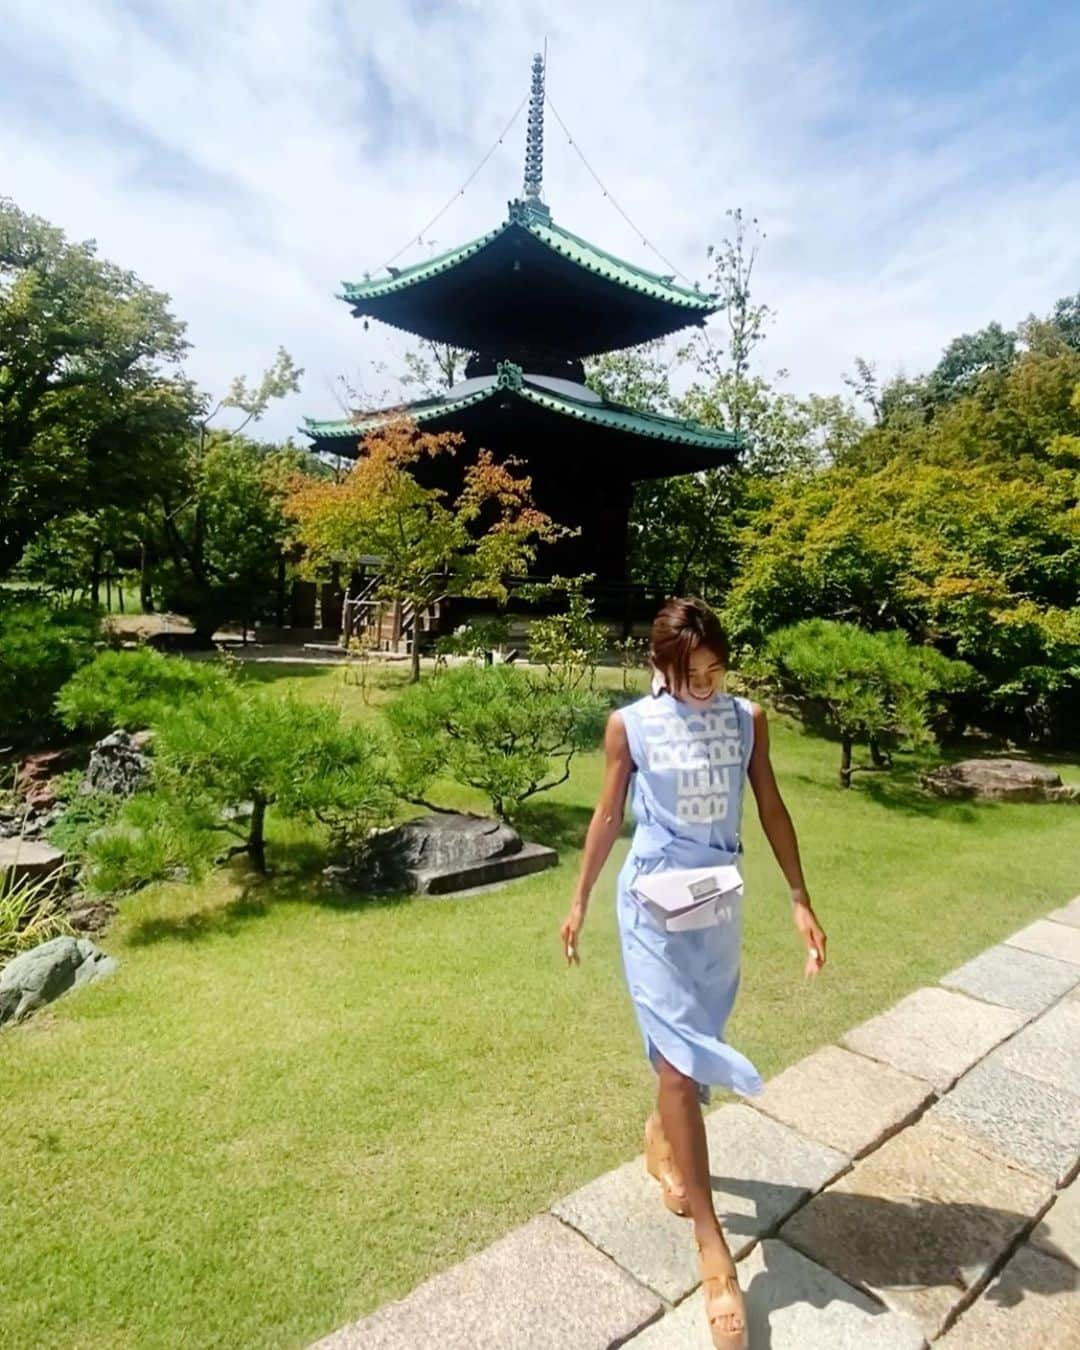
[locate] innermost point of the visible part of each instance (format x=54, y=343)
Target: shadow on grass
x=296, y=878
x=556, y=824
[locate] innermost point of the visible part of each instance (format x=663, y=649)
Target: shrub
x=569, y=645
x=40, y=649
x=492, y=728
x=135, y=689
x=30, y=913
x=875, y=688
x=221, y=766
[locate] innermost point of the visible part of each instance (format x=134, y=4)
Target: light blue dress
x=686, y=796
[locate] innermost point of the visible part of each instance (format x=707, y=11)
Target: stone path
x=916, y=1185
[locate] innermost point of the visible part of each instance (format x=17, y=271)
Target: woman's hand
x=812, y=933
x=571, y=932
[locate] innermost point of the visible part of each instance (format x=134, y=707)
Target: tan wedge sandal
x=724, y=1304
x=661, y=1166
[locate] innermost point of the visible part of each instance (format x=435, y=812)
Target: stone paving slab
x=1058, y=1233
x=934, y=1034
x=1032, y=1123
x=1034, y=1304
x=792, y=1304
x=1045, y=938
x=844, y=1100
x=1014, y=978
x=542, y=1287
x=920, y=1222
x=1069, y=913
x=765, y=1171
x=1048, y=1050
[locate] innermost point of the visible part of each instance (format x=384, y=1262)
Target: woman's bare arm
x=604, y=828
x=780, y=832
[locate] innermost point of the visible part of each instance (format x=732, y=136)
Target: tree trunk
x=845, y=761
x=415, y=675
x=256, y=842
x=880, y=758
x=146, y=595
x=95, y=578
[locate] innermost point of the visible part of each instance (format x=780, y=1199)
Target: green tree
x=93, y=408
x=491, y=728
x=222, y=766
x=872, y=688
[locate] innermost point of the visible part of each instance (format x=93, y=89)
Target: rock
x=791, y=1304
x=1034, y=1124
x=43, y=973
x=33, y=778
x=117, y=766
x=27, y=860
x=1032, y=1305
x=999, y=780
x=934, y=1034
x=921, y=1221
x=762, y=1171
x=443, y=852
x=91, y=918
x=1014, y=978
x=844, y=1100
x=542, y=1287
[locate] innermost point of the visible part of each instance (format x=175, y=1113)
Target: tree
x=428, y=546
x=433, y=368
x=967, y=358
x=873, y=688
x=491, y=728
x=212, y=756
x=638, y=377
x=93, y=408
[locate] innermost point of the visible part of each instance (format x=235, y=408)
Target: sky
x=913, y=166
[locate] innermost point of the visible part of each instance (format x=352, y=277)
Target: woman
x=688, y=747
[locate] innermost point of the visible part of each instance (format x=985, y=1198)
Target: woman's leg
x=680, y=1113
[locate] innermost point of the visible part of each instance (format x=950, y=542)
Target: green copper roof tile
x=610, y=415
x=572, y=246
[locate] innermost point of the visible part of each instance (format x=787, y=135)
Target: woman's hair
x=679, y=629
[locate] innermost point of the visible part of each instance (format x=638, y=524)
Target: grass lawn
x=288, y=1107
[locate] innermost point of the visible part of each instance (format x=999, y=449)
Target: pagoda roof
x=550, y=396
x=530, y=286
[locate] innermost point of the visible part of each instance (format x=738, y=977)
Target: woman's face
x=705, y=674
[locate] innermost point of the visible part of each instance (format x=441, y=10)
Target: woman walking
x=687, y=749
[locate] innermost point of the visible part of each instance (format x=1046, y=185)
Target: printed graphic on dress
x=701, y=754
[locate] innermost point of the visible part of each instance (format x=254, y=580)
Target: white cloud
x=246, y=157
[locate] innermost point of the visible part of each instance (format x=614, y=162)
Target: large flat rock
x=1034, y=1124
x=844, y=1100
x=934, y=1034
x=1069, y=914
x=920, y=1222
x=792, y=1304
x=761, y=1172
x=541, y=1286
x=27, y=860
x=1015, y=978
x=1034, y=1304
x=1058, y=1233
x=1046, y=938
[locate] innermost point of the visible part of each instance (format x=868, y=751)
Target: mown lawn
x=288, y=1107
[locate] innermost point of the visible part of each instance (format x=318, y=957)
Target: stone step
x=1045, y=938
x=541, y=1286
x=920, y=1223
x=1034, y=1304
x=792, y=1304
x=767, y=1171
x=1014, y=978
x=934, y=1034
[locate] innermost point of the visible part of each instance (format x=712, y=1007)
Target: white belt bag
x=680, y=899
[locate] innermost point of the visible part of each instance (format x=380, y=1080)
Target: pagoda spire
x=534, y=144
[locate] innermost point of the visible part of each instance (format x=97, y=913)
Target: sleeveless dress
x=686, y=796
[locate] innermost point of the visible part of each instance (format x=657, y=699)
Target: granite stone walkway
x=916, y=1184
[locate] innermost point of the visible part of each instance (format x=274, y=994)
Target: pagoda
x=530, y=301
